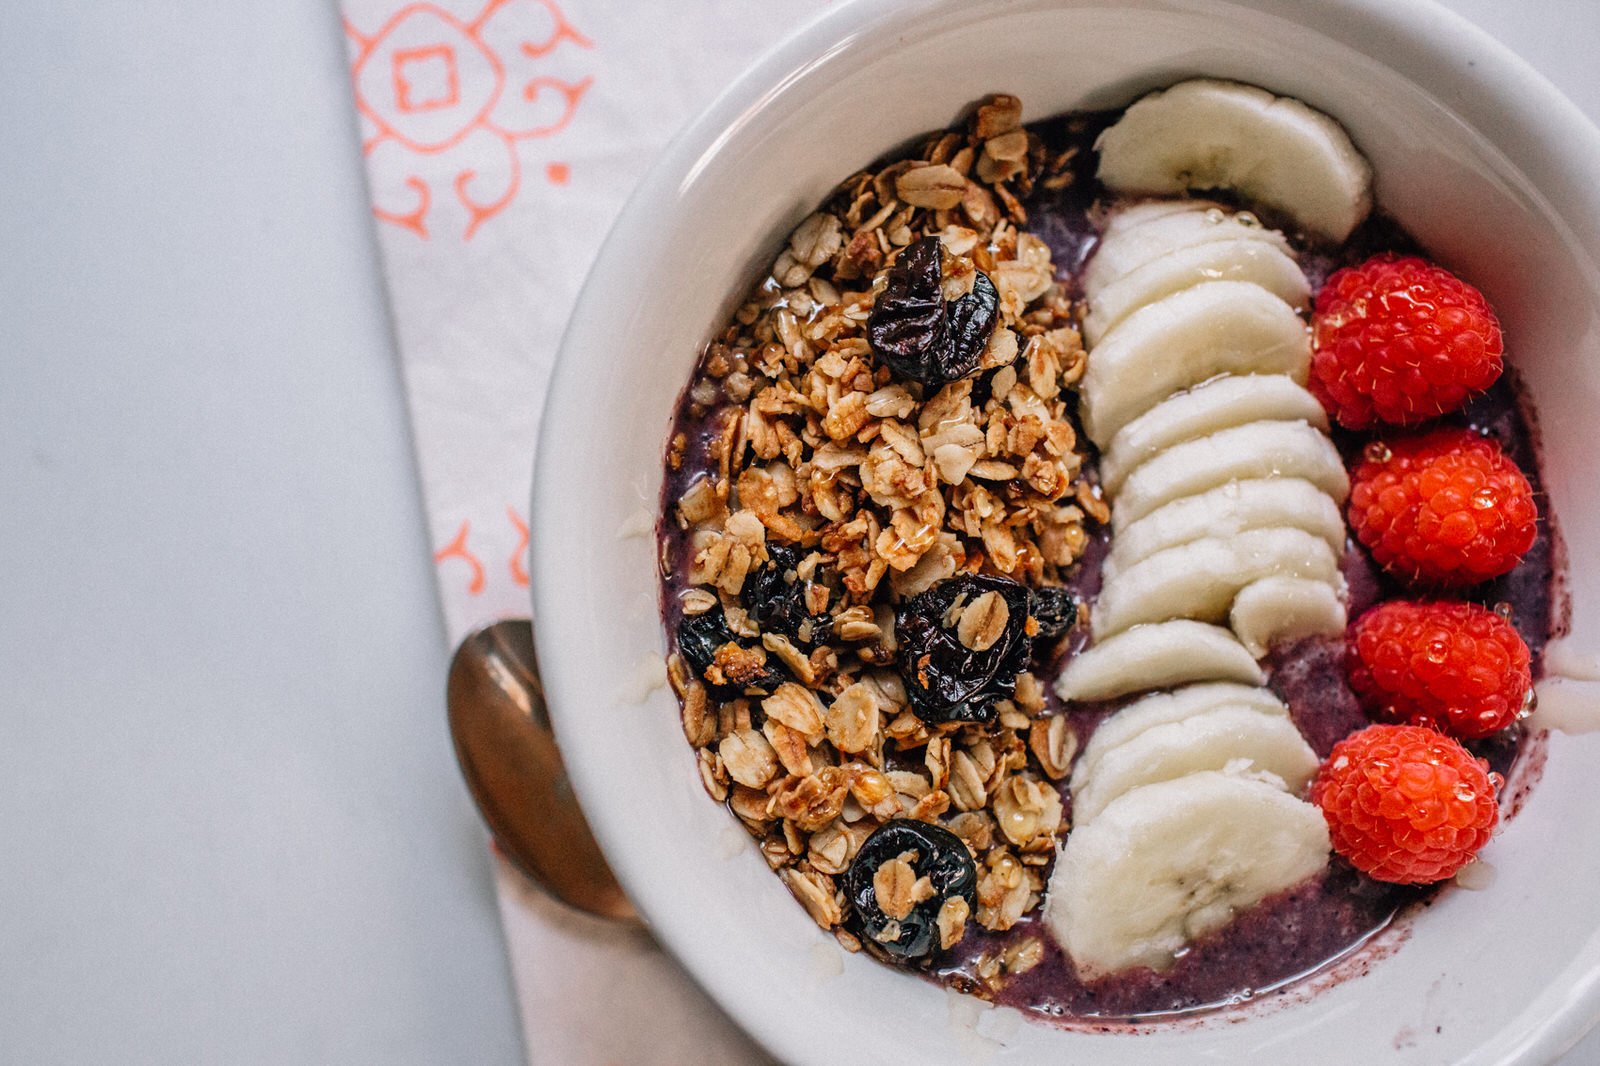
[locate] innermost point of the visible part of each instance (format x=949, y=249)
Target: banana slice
x=1163, y=708
x=1200, y=579
x=1125, y=216
x=1209, y=134
x=1253, y=450
x=1227, y=260
x=1168, y=863
x=1218, y=404
x=1285, y=608
x=1237, y=738
x=1164, y=655
x=1216, y=327
x=1225, y=511
x=1133, y=241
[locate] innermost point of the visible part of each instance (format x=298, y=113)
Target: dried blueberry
x=917, y=333
x=932, y=852
x=776, y=598
x=1055, y=610
x=701, y=636
x=947, y=679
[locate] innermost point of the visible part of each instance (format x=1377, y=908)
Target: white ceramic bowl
x=1483, y=160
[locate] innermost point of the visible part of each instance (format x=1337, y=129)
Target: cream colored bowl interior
x=1491, y=169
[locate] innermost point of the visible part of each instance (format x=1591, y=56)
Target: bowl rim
x=1556, y=146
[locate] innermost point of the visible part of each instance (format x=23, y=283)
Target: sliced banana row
x=1225, y=506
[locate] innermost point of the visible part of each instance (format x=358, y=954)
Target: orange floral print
x=519, y=554
x=457, y=549
x=441, y=96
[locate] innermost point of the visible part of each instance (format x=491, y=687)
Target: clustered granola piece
x=835, y=489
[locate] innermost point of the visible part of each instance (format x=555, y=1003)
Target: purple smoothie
x=1307, y=928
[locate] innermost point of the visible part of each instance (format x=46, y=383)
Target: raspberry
x=1406, y=804
x=1400, y=340
x=1455, y=667
x=1446, y=508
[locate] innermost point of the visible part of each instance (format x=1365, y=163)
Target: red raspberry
x=1455, y=667
x=1445, y=508
x=1400, y=340
x=1406, y=804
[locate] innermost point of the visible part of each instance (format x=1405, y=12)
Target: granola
x=834, y=490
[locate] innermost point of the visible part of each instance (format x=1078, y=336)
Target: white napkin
x=501, y=137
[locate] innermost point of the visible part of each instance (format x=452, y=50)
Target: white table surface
x=231, y=829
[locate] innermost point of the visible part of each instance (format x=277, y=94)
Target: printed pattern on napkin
x=439, y=96
x=501, y=138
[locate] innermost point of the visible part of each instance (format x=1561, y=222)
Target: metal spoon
x=508, y=755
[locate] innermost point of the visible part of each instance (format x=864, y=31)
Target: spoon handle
x=500, y=726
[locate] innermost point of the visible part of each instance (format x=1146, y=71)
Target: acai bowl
x=710, y=223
